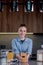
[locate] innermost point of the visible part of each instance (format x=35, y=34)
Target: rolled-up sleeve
x=14, y=47
x=30, y=47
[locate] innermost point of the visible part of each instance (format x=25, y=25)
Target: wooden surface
x=10, y=21
x=17, y=64
x=31, y=63
x=2, y=62
x=24, y=63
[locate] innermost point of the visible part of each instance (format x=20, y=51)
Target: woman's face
x=22, y=32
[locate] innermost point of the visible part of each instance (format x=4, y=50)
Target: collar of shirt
x=20, y=39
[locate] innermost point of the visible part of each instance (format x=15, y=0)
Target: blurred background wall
x=10, y=21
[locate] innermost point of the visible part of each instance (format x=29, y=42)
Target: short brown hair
x=23, y=25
